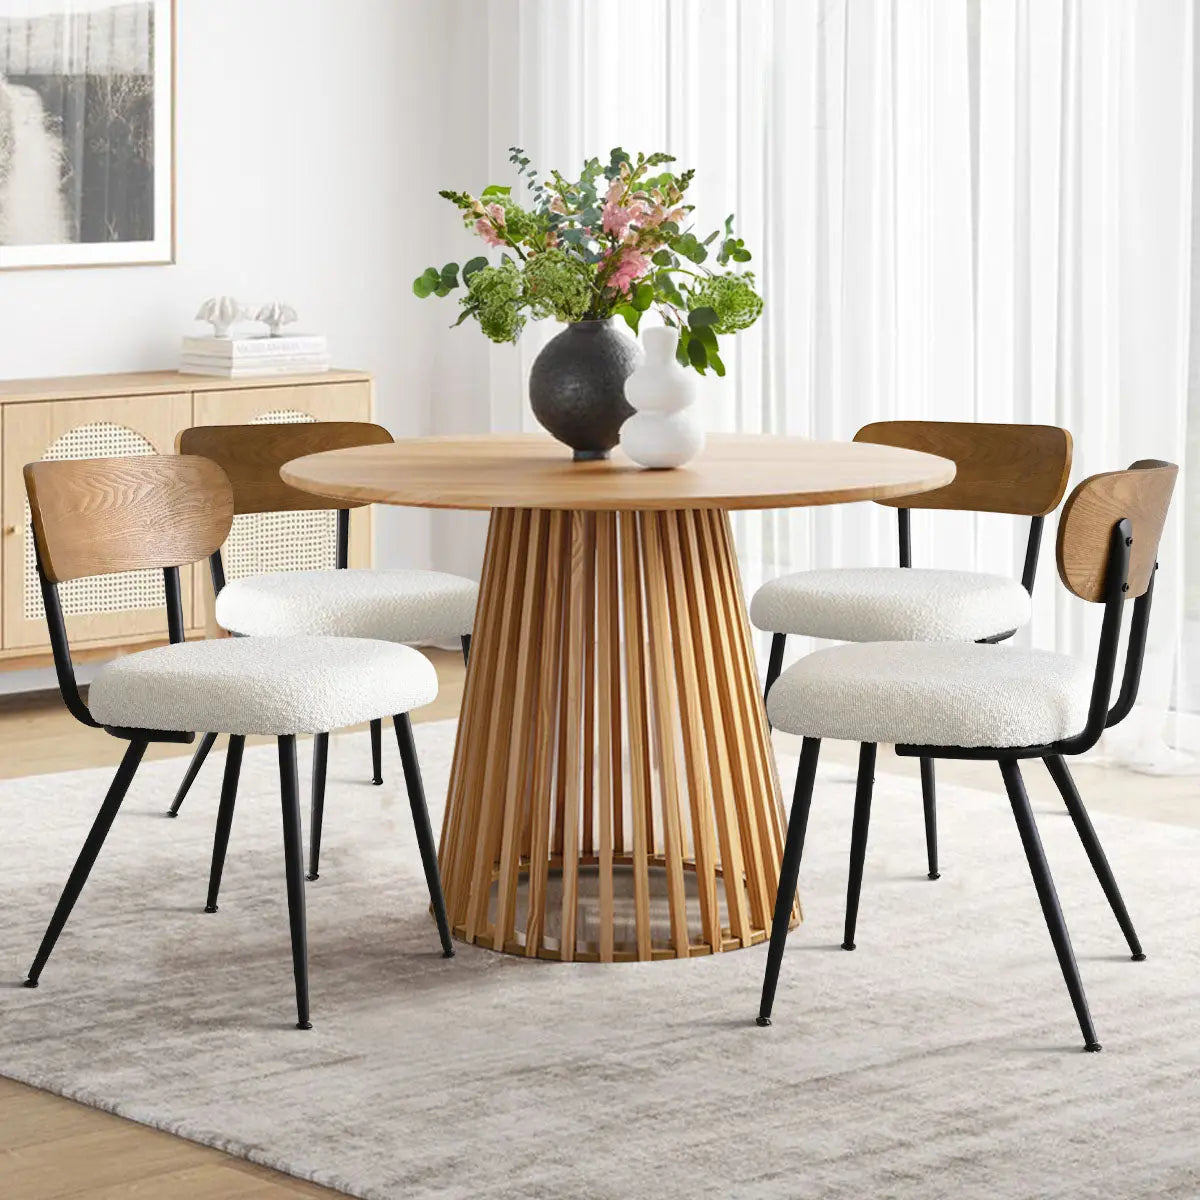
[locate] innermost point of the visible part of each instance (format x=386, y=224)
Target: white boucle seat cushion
x=393, y=605
x=933, y=694
x=891, y=604
x=262, y=685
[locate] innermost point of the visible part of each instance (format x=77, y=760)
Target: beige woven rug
x=939, y=1060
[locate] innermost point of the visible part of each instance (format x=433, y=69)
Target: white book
x=241, y=371
x=235, y=349
x=276, y=360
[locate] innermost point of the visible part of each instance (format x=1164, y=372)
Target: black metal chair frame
x=139, y=739
x=1100, y=717
x=928, y=782
x=216, y=566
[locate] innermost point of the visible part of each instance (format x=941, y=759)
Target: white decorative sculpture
x=663, y=432
x=222, y=312
x=275, y=316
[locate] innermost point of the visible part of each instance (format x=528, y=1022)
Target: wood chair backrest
x=251, y=455
x=1016, y=469
x=1142, y=494
x=98, y=516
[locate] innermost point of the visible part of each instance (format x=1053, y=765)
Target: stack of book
x=243, y=357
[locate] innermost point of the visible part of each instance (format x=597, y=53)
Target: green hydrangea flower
x=495, y=295
x=734, y=299
x=558, y=285
x=519, y=223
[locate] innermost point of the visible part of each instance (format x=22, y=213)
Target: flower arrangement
x=615, y=242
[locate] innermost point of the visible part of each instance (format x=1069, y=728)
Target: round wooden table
x=613, y=744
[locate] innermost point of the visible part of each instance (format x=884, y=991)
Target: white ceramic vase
x=664, y=430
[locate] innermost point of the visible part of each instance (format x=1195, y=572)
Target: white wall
x=309, y=146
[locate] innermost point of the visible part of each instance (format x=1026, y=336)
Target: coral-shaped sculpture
x=275, y=316
x=222, y=313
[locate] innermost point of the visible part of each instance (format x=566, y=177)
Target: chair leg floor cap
x=210, y=908
x=1093, y=1048
x=764, y=1021
x=30, y=983
x=847, y=945
x=311, y=878
x=377, y=782
x=303, y=1024
x=1137, y=958
x=935, y=874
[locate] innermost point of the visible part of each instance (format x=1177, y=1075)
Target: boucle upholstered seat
x=392, y=605
x=933, y=694
x=262, y=685
x=885, y=604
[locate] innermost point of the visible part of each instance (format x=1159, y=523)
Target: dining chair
x=395, y=605
x=982, y=701
x=1018, y=470
x=100, y=516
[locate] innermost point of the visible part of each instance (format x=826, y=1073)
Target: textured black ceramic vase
x=577, y=386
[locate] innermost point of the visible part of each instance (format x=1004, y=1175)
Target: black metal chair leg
x=293, y=857
x=858, y=837
x=929, y=799
x=466, y=647
x=189, y=776
x=229, y=785
x=87, y=856
x=789, y=870
x=320, y=762
x=1048, y=897
x=1091, y=843
x=377, y=753
x=420, y=816
x=775, y=662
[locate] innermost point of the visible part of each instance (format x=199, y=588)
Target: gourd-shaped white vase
x=663, y=431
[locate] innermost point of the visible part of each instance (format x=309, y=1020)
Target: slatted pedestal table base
x=613, y=746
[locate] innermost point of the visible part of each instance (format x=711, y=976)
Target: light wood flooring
x=52, y=1148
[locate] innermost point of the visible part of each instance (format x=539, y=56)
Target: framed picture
x=86, y=133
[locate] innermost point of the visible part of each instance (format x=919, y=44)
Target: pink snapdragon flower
x=487, y=226
x=615, y=217
x=630, y=267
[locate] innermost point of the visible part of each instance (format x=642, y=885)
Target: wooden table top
x=736, y=471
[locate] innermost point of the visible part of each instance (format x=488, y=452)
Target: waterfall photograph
x=86, y=156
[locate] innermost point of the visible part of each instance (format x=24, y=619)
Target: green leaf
x=697, y=354
x=643, y=296
x=741, y=256
x=462, y=316
x=473, y=266
x=494, y=189
x=714, y=361
x=632, y=315
x=426, y=282
x=704, y=333
x=663, y=258
x=449, y=276
x=442, y=290
x=699, y=317
x=681, y=351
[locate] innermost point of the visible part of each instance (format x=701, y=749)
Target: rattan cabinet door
x=106, y=609
x=261, y=543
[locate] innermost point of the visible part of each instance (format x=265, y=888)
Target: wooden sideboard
x=105, y=416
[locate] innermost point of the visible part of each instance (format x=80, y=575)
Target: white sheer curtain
x=963, y=209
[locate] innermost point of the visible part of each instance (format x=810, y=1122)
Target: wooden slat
x=702, y=605
x=589, y=684
x=517, y=778
x=666, y=718
x=639, y=781
x=514, y=538
x=608, y=705
x=572, y=713
x=764, y=814
x=738, y=743
x=546, y=723
x=694, y=728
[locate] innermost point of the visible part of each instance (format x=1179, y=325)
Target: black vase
x=577, y=386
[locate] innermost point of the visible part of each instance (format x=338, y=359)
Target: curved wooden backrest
x=1143, y=495
x=251, y=456
x=1017, y=469
x=96, y=516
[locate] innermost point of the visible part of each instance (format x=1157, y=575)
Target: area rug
x=941, y=1059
